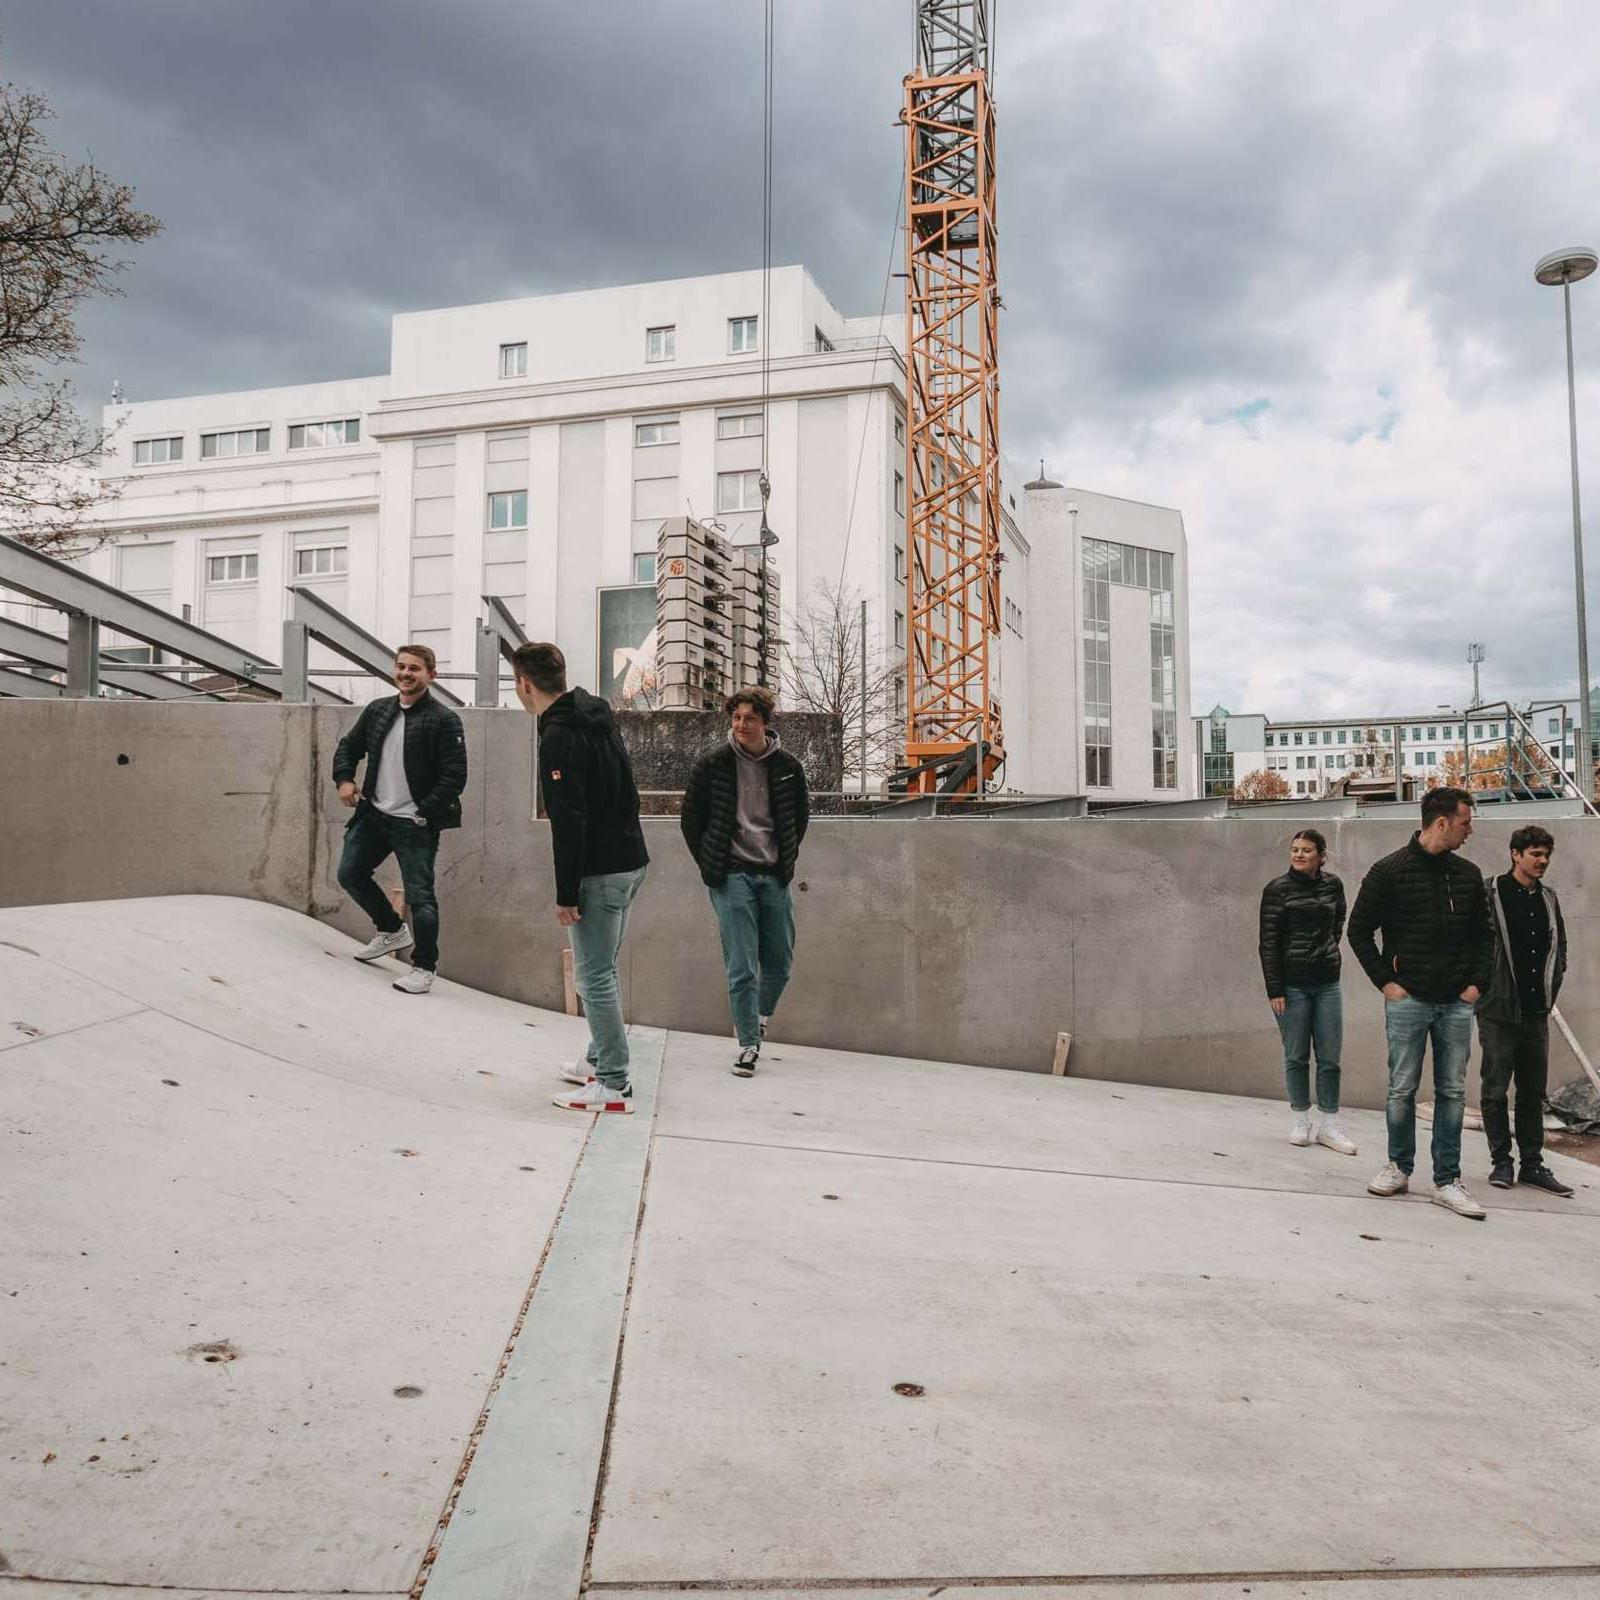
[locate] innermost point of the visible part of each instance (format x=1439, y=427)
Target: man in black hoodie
x=1438, y=951
x=586, y=781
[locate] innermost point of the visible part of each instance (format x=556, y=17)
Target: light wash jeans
x=1409, y=1024
x=604, y=899
x=1313, y=1015
x=755, y=913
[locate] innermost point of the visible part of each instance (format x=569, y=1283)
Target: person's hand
x=1469, y=995
x=1393, y=991
x=567, y=915
x=1279, y=1004
x=348, y=793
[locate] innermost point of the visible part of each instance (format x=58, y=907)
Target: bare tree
x=820, y=670
x=61, y=227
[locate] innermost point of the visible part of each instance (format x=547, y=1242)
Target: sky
x=1267, y=261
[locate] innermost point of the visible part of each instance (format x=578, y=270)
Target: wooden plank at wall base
x=569, y=986
x=1063, y=1049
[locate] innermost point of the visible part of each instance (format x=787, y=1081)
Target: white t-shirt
x=391, y=794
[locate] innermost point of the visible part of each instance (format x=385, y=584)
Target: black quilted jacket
x=711, y=806
x=435, y=755
x=1433, y=913
x=1302, y=921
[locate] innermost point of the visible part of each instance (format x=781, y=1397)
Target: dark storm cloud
x=1267, y=262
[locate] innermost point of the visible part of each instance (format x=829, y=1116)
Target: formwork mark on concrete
x=1084, y=1580
x=1066, y=1172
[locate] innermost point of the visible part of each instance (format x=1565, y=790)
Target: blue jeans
x=1409, y=1024
x=604, y=900
x=755, y=914
x=370, y=836
x=1313, y=1014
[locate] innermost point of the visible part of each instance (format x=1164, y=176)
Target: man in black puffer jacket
x=1436, y=960
x=745, y=812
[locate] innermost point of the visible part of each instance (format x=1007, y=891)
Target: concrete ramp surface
x=306, y=1288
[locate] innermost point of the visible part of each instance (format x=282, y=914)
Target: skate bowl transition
x=306, y=1288
x=965, y=941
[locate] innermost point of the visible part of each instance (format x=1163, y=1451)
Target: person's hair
x=422, y=652
x=1316, y=839
x=760, y=701
x=1529, y=837
x=543, y=665
x=1443, y=802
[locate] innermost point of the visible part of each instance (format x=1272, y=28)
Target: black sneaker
x=1503, y=1175
x=1541, y=1177
x=745, y=1066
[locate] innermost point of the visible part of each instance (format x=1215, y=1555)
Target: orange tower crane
x=953, y=738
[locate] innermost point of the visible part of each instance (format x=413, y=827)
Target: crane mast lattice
x=953, y=735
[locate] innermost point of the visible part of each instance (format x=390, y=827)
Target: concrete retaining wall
x=970, y=940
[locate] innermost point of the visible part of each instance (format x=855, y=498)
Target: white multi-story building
x=1311, y=754
x=531, y=449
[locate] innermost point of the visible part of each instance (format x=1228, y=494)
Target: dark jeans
x=1411, y=1024
x=369, y=840
x=1313, y=1014
x=1519, y=1053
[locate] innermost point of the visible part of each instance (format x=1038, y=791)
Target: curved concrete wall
x=970, y=941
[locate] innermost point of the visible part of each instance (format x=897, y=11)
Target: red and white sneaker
x=595, y=1096
x=579, y=1071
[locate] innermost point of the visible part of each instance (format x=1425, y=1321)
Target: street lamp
x=1568, y=267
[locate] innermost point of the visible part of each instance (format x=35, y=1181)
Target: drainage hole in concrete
x=172, y=1083
x=830, y=1197
x=122, y=761
x=910, y=1391
x=215, y=1352
x=408, y=1391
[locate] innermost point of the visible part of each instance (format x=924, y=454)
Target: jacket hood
x=773, y=743
x=579, y=709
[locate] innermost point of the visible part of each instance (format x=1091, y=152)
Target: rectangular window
x=742, y=335
x=1494, y=730
x=509, y=510
x=1433, y=732
x=1327, y=736
x=241, y=442
x=900, y=433
x=899, y=630
x=644, y=568
x=321, y=561
x=1477, y=730
x=899, y=564
x=315, y=435
x=155, y=452
x=513, y=361
x=739, y=491
x=900, y=494
x=1297, y=739
x=647, y=433
x=743, y=425
x=1554, y=725
x=661, y=344
x=239, y=568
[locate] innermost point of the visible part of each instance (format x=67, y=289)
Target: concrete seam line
x=65, y=1033
x=1084, y=1580
x=1074, y=1172
x=430, y=1555
x=91, y=1586
x=525, y=1510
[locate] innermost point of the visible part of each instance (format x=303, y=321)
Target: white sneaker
x=595, y=1096
x=1390, y=1181
x=578, y=1071
x=1300, y=1129
x=1329, y=1133
x=745, y=1066
x=417, y=981
x=385, y=944
x=1454, y=1197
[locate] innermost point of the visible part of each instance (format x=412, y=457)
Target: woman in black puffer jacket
x=1302, y=920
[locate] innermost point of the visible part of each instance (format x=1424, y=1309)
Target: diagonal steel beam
x=22, y=686
x=345, y=638
x=49, y=650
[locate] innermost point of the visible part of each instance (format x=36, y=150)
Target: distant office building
x=534, y=449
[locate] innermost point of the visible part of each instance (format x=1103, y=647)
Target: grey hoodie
x=754, y=843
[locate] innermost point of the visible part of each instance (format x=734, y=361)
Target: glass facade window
x=644, y=568
x=739, y=425
x=513, y=361
x=660, y=344
x=240, y=442
x=156, y=452
x=509, y=510
x=649, y=433
x=742, y=335
x=321, y=561
x=314, y=435
x=241, y=568
x=739, y=491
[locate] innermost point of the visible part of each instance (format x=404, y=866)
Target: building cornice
x=180, y=522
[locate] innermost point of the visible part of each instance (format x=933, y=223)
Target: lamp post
x=1568, y=267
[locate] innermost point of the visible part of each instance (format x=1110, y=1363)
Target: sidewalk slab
x=1398, y=1586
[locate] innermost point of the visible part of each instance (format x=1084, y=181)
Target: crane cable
x=764, y=331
